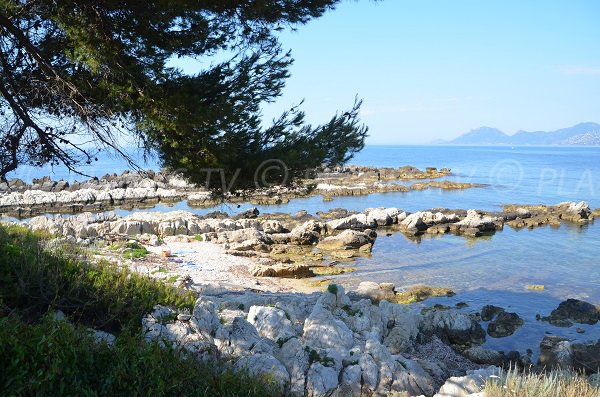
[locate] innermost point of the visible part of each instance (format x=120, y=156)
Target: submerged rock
x=488, y=312
x=505, y=324
x=573, y=310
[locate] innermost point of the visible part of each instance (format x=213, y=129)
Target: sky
x=430, y=70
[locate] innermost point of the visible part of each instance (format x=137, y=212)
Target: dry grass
x=552, y=384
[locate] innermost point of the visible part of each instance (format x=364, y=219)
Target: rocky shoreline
x=255, y=314
x=144, y=189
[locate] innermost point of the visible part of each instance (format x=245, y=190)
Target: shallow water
x=496, y=270
x=493, y=270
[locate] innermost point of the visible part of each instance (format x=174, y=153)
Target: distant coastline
x=582, y=134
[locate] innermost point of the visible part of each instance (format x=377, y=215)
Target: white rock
x=321, y=380
x=323, y=330
x=356, y=221
x=465, y=386
x=264, y=364
x=270, y=322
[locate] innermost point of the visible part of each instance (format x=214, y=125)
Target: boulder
x=474, y=220
x=204, y=317
x=465, y=386
x=272, y=226
x=574, y=310
x=586, y=357
x=488, y=312
x=382, y=216
x=480, y=355
x=505, y=324
x=376, y=292
x=454, y=327
x=350, y=384
x=296, y=360
x=355, y=222
x=283, y=271
x=556, y=353
x=413, y=223
x=271, y=323
x=401, y=325
x=307, y=233
x=323, y=330
x=577, y=212
x=261, y=364
x=249, y=213
x=346, y=240
x=321, y=380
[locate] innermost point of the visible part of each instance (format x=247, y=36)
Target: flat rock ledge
x=145, y=189
x=335, y=233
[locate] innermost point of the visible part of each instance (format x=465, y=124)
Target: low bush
x=35, y=278
x=55, y=358
x=44, y=357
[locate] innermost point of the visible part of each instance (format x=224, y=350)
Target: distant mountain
x=580, y=134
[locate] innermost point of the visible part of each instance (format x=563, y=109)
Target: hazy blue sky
x=435, y=69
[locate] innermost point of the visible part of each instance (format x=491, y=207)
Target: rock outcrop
x=316, y=345
x=573, y=310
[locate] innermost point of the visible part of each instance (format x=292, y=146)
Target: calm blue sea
x=492, y=270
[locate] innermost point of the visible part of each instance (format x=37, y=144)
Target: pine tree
x=75, y=72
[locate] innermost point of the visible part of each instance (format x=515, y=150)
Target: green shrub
x=54, y=358
x=133, y=249
x=102, y=295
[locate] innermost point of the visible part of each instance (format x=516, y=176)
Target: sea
x=491, y=270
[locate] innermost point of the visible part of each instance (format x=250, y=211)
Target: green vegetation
x=103, y=296
x=352, y=313
x=282, y=341
x=134, y=250
x=551, y=384
x=103, y=69
x=172, y=279
x=314, y=356
x=198, y=237
x=53, y=358
x=332, y=289
x=43, y=356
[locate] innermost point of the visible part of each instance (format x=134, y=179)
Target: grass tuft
x=550, y=384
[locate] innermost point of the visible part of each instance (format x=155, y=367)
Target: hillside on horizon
x=581, y=134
